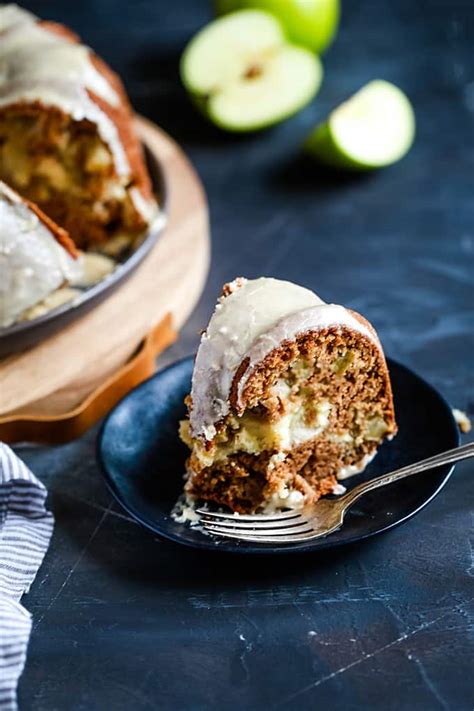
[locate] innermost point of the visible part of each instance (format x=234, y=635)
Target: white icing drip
x=32, y=263
x=249, y=323
x=285, y=498
x=95, y=267
x=38, y=65
x=147, y=209
x=351, y=469
x=27, y=51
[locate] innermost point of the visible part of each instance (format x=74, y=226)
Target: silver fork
x=320, y=519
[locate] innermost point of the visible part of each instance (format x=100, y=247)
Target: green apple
x=243, y=74
x=374, y=128
x=311, y=23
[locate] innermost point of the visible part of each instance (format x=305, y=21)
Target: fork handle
x=449, y=457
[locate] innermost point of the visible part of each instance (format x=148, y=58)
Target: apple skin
x=312, y=24
x=322, y=146
x=201, y=103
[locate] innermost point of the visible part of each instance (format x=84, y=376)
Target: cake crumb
x=462, y=420
x=232, y=286
x=184, y=511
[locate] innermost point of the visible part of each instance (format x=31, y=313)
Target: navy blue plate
x=143, y=459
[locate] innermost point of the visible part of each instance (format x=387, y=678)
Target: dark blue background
x=123, y=621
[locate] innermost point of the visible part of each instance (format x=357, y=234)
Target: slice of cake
x=36, y=258
x=67, y=140
x=289, y=396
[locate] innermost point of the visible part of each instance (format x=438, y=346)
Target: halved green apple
x=374, y=128
x=242, y=72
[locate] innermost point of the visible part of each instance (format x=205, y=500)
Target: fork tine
x=265, y=532
x=270, y=539
x=249, y=517
x=286, y=524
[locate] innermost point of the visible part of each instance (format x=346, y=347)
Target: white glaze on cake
x=249, y=323
x=11, y=15
x=32, y=262
x=39, y=65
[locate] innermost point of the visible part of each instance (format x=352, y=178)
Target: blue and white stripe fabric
x=25, y=531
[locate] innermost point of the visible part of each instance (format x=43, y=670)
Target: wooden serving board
x=51, y=382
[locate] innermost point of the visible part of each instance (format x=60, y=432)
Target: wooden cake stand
x=55, y=391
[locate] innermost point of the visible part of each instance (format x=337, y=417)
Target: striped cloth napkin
x=25, y=530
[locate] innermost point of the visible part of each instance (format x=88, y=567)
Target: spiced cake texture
x=290, y=395
x=36, y=256
x=67, y=141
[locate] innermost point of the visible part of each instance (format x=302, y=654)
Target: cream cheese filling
x=249, y=434
x=291, y=429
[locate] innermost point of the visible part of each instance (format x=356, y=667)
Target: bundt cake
x=36, y=257
x=66, y=136
x=289, y=396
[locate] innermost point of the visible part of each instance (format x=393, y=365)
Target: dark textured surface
x=143, y=461
x=123, y=621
